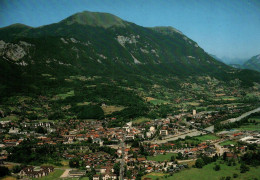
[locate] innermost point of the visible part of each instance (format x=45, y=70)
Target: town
x=87, y=148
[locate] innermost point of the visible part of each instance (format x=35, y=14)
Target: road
x=175, y=137
x=211, y=128
x=219, y=149
x=122, y=163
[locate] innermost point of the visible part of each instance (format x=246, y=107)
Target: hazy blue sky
x=228, y=28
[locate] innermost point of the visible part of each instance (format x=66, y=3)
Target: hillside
x=253, y=63
x=97, y=58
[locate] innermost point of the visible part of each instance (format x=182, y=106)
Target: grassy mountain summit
x=94, y=58
x=95, y=19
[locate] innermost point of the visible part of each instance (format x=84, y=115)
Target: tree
x=228, y=178
x=91, y=173
x=117, y=168
x=129, y=174
x=243, y=168
x=143, y=151
x=217, y=167
x=89, y=140
x=235, y=175
x=40, y=130
x=4, y=171
x=16, y=169
x=172, y=158
x=74, y=163
x=90, y=112
x=179, y=156
x=135, y=143
x=215, y=157
x=199, y=163
x=224, y=156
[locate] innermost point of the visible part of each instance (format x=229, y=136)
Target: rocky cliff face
x=15, y=51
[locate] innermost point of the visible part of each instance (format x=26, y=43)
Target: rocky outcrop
x=14, y=52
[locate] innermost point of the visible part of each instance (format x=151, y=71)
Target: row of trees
x=204, y=160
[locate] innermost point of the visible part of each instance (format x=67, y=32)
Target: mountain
x=253, y=63
x=229, y=60
x=98, y=43
x=233, y=62
x=215, y=57
x=238, y=66
x=95, y=19
x=97, y=58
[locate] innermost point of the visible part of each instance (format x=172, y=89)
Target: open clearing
x=154, y=175
x=110, y=109
x=207, y=172
x=206, y=137
x=65, y=95
x=250, y=127
x=8, y=178
x=161, y=157
x=158, y=101
x=141, y=120
x=227, y=143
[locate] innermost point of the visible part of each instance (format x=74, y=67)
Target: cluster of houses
x=31, y=172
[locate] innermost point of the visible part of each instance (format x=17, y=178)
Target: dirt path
x=188, y=160
x=65, y=174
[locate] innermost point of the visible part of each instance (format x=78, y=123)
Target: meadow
x=207, y=172
x=53, y=175
x=161, y=157
x=225, y=143
x=207, y=137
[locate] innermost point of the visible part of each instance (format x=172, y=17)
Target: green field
x=250, y=127
x=161, y=157
x=158, y=101
x=155, y=176
x=84, y=178
x=226, y=98
x=207, y=172
x=227, y=143
x=206, y=137
x=54, y=175
x=65, y=95
x=257, y=119
x=141, y=120
x=10, y=118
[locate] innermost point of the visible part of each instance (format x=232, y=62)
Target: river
x=211, y=128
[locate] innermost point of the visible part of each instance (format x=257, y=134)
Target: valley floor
x=207, y=172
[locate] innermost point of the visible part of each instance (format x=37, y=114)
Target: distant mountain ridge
x=253, y=63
